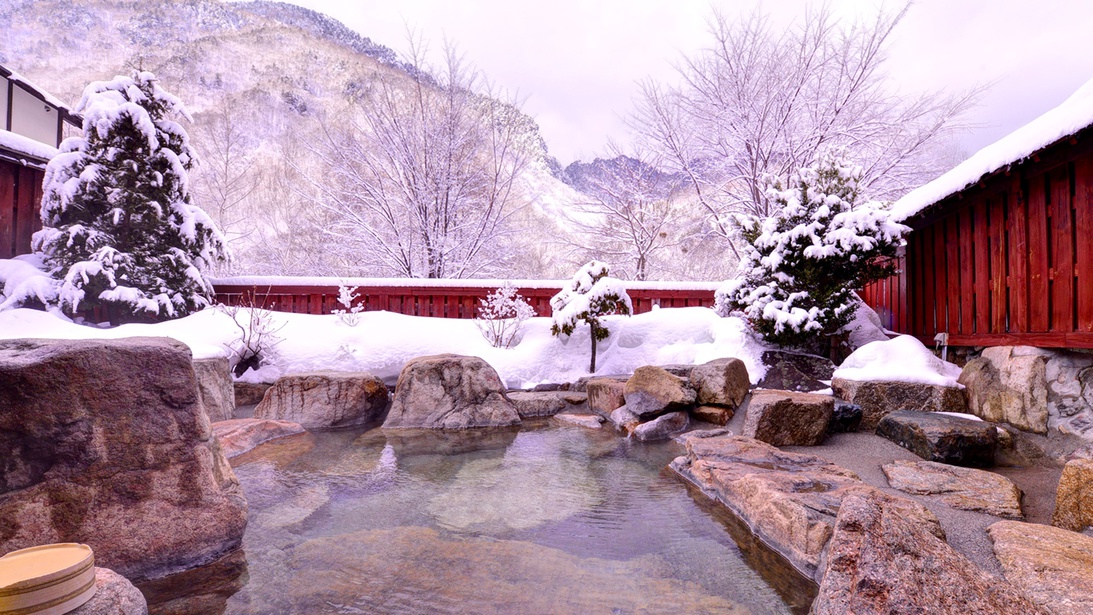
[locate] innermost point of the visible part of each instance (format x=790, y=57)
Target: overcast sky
x=576, y=63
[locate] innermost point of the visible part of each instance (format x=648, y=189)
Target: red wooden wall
x=20, y=200
x=452, y=301
x=1008, y=261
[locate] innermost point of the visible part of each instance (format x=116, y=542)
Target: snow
x=903, y=359
x=382, y=342
x=22, y=279
x=26, y=146
x=260, y=281
x=29, y=85
x=1068, y=118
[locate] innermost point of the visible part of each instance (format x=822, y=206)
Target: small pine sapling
x=802, y=265
x=588, y=297
x=349, y=313
x=502, y=314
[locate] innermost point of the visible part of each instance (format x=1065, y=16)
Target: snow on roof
x=261, y=281
x=29, y=85
x=1067, y=119
x=25, y=146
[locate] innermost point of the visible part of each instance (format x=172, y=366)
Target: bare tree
x=227, y=175
x=763, y=101
x=420, y=182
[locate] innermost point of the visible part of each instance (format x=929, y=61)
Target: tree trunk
x=592, y=364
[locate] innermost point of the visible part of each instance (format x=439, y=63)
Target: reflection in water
x=544, y=520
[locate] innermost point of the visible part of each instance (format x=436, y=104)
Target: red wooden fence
x=444, y=299
x=1008, y=261
x=20, y=199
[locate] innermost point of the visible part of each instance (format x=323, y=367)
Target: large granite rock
x=941, y=437
x=114, y=595
x=605, y=395
x=1004, y=388
x=450, y=392
x=789, y=500
x=322, y=400
x=722, y=382
x=105, y=442
x=215, y=388
x=238, y=436
x=1054, y=567
x=881, y=561
x=661, y=428
x=785, y=418
x=963, y=488
x=1074, y=496
x=653, y=391
x=249, y=393
x=877, y=399
x=794, y=371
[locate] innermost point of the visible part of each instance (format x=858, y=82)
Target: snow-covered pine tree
x=119, y=226
x=802, y=265
x=589, y=296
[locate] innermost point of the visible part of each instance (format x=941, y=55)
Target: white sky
x=576, y=63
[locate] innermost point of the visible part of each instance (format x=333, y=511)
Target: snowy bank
x=903, y=359
x=382, y=342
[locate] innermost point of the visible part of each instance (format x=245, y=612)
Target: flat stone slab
x=789, y=500
x=1053, y=566
x=238, y=436
x=591, y=421
x=942, y=437
x=963, y=488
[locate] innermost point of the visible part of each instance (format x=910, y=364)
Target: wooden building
x=32, y=125
x=1001, y=247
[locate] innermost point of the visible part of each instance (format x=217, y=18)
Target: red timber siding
x=20, y=202
x=450, y=300
x=1007, y=261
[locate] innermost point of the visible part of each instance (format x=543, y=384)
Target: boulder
x=450, y=392
x=881, y=561
x=624, y=420
x=723, y=382
x=679, y=370
x=942, y=437
x=963, y=488
x=532, y=404
x=879, y=398
x=550, y=386
x=718, y=415
x=214, y=387
x=845, y=417
x=1052, y=566
x=321, y=400
x=789, y=500
x=794, y=371
x=238, y=436
x=114, y=595
x=663, y=427
x=1002, y=387
x=249, y=393
x=653, y=391
x=1074, y=496
x=104, y=442
x=786, y=418
x=591, y=421
x=605, y=395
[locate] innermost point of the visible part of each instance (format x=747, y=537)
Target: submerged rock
x=450, y=392
x=238, y=436
x=882, y=561
x=320, y=400
x=963, y=488
x=941, y=437
x=591, y=421
x=1053, y=566
x=105, y=442
x=785, y=418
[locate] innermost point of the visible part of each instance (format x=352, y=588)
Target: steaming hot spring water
x=543, y=519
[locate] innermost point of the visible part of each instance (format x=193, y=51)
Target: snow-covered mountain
x=263, y=81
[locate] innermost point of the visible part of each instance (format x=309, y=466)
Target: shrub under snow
x=501, y=315
x=802, y=265
x=589, y=296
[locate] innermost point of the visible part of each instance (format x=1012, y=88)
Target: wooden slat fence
x=1007, y=262
x=443, y=301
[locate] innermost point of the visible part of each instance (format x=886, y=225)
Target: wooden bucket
x=46, y=580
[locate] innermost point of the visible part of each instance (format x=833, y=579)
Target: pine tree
x=590, y=295
x=802, y=265
x=119, y=227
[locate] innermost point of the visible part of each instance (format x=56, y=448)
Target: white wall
x=33, y=118
x=4, y=103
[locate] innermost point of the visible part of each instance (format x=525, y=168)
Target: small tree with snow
x=120, y=228
x=501, y=315
x=802, y=265
x=349, y=313
x=588, y=297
